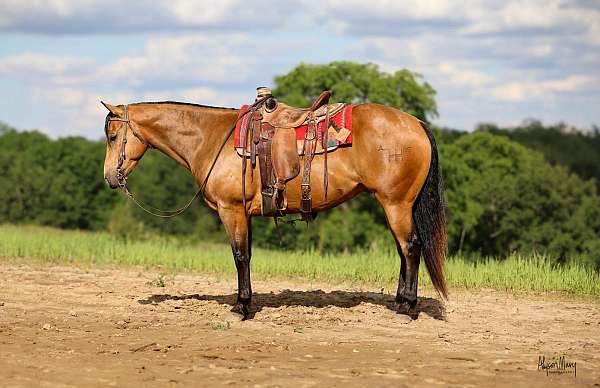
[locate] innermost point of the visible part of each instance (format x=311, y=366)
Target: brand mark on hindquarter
x=396, y=154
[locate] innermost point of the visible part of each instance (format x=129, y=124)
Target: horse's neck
x=187, y=134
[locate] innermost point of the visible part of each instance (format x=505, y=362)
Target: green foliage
x=5, y=127
x=60, y=183
x=560, y=144
x=357, y=83
x=504, y=198
x=124, y=223
x=446, y=135
x=56, y=183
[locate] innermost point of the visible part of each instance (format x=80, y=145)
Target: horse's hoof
x=406, y=309
x=239, y=312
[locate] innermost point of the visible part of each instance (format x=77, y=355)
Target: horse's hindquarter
x=389, y=156
x=393, y=152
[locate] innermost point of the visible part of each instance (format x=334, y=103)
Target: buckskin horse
x=407, y=184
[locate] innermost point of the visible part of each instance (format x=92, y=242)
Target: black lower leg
x=406, y=296
x=238, y=227
x=244, y=295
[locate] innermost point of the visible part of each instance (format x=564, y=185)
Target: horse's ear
x=115, y=110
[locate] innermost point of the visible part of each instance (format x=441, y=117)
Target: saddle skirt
x=338, y=134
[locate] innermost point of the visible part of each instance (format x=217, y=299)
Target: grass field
x=56, y=246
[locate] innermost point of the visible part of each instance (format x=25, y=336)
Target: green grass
x=56, y=246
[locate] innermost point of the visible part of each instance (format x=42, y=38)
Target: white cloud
x=537, y=17
x=34, y=64
x=520, y=91
x=464, y=76
x=118, y=17
x=66, y=97
x=488, y=60
x=205, y=96
x=468, y=17
x=205, y=69
x=388, y=9
x=430, y=57
x=164, y=61
x=214, y=58
x=80, y=111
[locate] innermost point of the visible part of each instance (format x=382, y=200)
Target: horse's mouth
x=112, y=183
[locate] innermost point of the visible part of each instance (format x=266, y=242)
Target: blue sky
x=490, y=61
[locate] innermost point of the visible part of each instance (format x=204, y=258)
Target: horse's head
x=124, y=145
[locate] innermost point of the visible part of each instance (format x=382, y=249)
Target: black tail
x=429, y=214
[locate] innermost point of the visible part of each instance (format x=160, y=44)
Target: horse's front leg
x=238, y=228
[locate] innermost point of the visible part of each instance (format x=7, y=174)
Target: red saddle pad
x=339, y=132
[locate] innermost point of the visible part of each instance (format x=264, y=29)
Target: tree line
x=528, y=189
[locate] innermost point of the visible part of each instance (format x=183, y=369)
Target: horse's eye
x=112, y=137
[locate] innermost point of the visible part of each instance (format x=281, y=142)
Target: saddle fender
x=286, y=161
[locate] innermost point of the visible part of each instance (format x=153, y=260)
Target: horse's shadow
x=319, y=299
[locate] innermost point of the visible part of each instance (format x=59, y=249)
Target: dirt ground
x=74, y=327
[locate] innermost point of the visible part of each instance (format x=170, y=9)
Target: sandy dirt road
x=74, y=327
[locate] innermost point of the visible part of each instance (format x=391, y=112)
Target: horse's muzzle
x=111, y=181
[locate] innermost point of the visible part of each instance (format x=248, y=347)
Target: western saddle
x=270, y=137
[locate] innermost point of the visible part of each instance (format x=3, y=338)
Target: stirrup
x=267, y=207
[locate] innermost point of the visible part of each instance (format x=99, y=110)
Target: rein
x=122, y=176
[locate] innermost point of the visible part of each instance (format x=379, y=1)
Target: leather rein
x=122, y=176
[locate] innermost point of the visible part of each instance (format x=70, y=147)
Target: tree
x=504, y=197
x=24, y=178
x=60, y=183
x=4, y=128
x=561, y=144
x=57, y=183
x=358, y=83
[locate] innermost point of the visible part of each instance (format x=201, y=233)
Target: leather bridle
x=121, y=176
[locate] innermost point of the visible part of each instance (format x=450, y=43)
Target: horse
x=393, y=156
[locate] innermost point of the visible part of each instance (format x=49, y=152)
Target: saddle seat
x=285, y=116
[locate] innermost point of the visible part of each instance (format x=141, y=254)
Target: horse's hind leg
x=400, y=221
x=406, y=295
